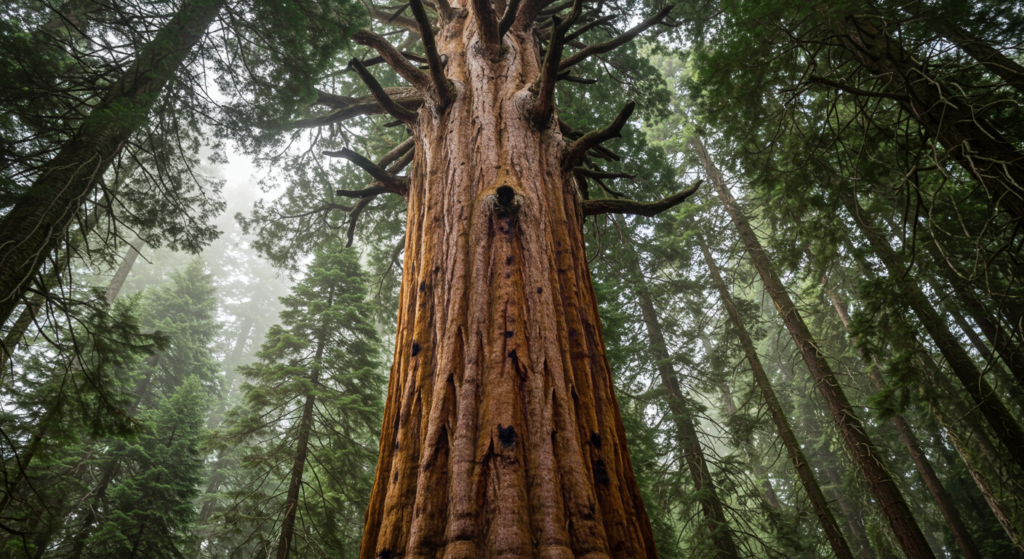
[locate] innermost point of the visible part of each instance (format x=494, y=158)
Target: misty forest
x=551, y=279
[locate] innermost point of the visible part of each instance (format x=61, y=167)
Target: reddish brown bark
x=870, y=462
x=501, y=434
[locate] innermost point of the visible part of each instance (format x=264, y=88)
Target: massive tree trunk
x=829, y=525
x=870, y=462
x=502, y=436
x=924, y=467
x=1003, y=423
x=31, y=230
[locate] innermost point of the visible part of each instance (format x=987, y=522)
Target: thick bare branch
x=508, y=19
x=390, y=182
x=403, y=162
x=617, y=42
x=385, y=101
x=857, y=90
x=592, y=174
x=566, y=76
x=487, y=22
x=544, y=104
x=579, y=148
x=390, y=54
x=397, y=152
x=588, y=26
x=442, y=88
x=632, y=207
x=368, y=192
x=407, y=97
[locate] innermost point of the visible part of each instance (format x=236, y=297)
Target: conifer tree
x=306, y=430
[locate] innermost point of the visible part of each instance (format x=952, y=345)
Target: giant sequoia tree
x=501, y=432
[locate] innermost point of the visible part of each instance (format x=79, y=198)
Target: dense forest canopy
x=511, y=278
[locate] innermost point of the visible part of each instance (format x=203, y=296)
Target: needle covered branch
x=579, y=148
x=632, y=207
x=617, y=42
x=385, y=101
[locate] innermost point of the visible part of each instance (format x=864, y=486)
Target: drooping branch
x=353, y=217
x=385, y=101
x=579, y=148
x=442, y=88
x=632, y=207
x=544, y=104
x=617, y=42
x=395, y=59
x=508, y=19
x=390, y=182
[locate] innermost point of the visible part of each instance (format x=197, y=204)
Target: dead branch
x=579, y=148
x=397, y=152
x=588, y=26
x=353, y=217
x=632, y=207
x=544, y=104
x=487, y=22
x=566, y=76
x=442, y=88
x=368, y=192
x=385, y=101
x=617, y=42
x=590, y=173
x=508, y=19
x=390, y=54
x=407, y=97
x=390, y=182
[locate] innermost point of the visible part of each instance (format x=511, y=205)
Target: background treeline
x=821, y=356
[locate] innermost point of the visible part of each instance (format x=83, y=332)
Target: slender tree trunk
x=117, y=281
x=868, y=459
x=291, y=503
x=501, y=436
x=985, y=54
x=1003, y=424
x=924, y=467
x=768, y=490
x=829, y=525
x=967, y=138
x=33, y=227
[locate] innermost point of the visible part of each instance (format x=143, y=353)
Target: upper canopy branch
x=394, y=58
x=617, y=42
x=632, y=207
x=579, y=148
x=442, y=89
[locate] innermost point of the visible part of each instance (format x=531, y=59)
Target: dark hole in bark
x=601, y=473
x=509, y=260
x=540, y=290
x=384, y=554
x=509, y=333
x=515, y=358
x=506, y=194
x=395, y=479
x=595, y=440
x=423, y=285
x=415, y=348
x=507, y=436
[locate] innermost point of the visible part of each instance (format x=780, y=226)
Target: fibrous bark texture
x=501, y=435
